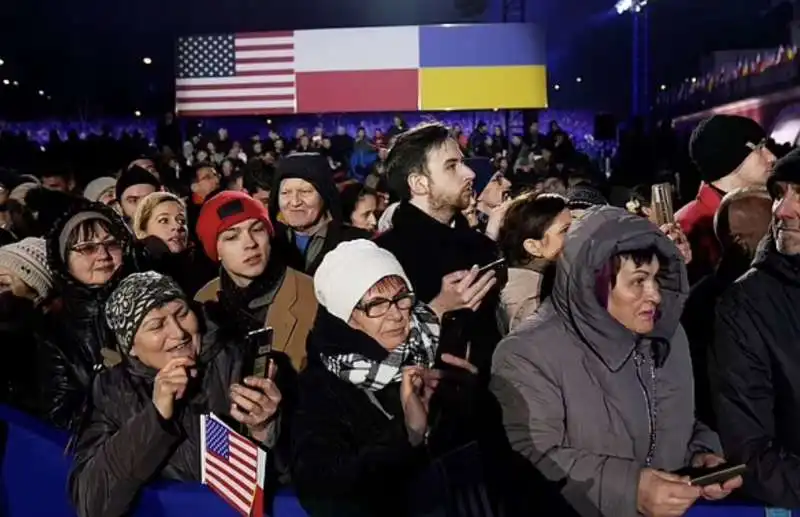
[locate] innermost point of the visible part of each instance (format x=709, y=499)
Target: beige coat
x=291, y=314
x=520, y=297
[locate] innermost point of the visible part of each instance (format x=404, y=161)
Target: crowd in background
x=579, y=373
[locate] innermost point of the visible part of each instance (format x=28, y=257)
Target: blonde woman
x=162, y=215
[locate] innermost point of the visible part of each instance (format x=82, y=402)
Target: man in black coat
x=755, y=362
x=433, y=241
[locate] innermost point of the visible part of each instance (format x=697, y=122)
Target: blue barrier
x=34, y=470
x=33, y=480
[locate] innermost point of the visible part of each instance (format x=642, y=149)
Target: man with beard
x=755, y=363
x=433, y=240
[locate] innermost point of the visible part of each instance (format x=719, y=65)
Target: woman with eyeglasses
x=361, y=425
x=89, y=252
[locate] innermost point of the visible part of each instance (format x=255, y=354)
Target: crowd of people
x=440, y=341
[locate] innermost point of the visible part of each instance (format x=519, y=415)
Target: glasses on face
x=378, y=307
x=90, y=249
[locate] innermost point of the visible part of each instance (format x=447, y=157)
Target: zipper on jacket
x=639, y=360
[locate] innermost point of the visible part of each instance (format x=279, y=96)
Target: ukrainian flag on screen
x=468, y=67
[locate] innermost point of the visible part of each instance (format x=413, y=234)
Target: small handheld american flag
x=232, y=466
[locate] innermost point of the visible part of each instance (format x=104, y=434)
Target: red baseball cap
x=224, y=210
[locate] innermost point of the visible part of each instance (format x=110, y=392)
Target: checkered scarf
x=419, y=349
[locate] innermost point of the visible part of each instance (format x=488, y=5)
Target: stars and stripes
x=232, y=466
x=236, y=74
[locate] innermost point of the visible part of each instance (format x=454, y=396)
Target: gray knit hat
x=130, y=302
x=98, y=186
x=28, y=260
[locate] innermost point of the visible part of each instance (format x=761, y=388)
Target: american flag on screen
x=236, y=74
x=232, y=466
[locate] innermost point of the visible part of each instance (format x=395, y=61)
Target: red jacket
x=696, y=219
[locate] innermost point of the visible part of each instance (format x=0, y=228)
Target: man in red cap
x=254, y=288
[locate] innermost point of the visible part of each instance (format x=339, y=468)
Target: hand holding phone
x=463, y=290
x=259, y=349
x=707, y=476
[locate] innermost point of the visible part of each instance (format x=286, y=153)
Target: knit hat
x=584, y=196
x=28, y=260
x=224, y=210
x=313, y=168
x=135, y=176
x=721, y=143
x=75, y=221
x=133, y=298
x=786, y=169
x=97, y=187
x=349, y=271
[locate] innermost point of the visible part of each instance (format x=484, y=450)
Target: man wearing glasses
x=730, y=152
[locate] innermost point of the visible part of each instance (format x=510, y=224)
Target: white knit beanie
x=349, y=271
x=27, y=259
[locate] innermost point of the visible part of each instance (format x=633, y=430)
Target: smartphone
x=663, y=212
x=259, y=349
x=491, y=265
x=453, y=336
x=704, y=476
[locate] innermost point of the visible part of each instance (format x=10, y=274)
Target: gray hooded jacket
x=588, y=402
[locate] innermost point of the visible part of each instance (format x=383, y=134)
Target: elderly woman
x=89, y=252
x=596, y=388
x=144, y=419
x=362, y=421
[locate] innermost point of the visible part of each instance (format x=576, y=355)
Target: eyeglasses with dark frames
x=378, y=307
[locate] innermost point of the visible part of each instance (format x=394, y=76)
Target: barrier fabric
x=33, y=475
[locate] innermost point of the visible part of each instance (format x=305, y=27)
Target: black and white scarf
x=419, y=349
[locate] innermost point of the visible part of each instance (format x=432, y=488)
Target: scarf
x=419, y=349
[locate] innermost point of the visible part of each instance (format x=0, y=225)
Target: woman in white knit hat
x=24, y=271
x=361, y=424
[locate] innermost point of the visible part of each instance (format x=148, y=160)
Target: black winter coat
x=428, y=250
x=69, y=362
x=350, y=457
x=124, y=443
x=755, y=374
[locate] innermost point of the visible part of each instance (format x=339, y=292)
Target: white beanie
x=27, y=259
x=349, y=271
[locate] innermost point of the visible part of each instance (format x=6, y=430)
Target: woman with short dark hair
x=531, y=239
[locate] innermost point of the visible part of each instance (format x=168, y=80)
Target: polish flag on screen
x=232, y=466
x=236, y=74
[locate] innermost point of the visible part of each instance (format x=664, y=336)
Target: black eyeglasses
x=377, y=307
x=91, y=248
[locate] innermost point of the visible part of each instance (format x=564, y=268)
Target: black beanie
x=786, y=169
x=313, y=168
x=135, y=176
x=721, y=143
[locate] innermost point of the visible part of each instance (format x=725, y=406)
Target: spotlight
x=41, y=93
x=147, y=61
x=2, y=62
x=624, y=6
x=663, y=87
x=137, y=113
x=16, y=83
x=6, y=82
x=579, y=80
x=557, y=87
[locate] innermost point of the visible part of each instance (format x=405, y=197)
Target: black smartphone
x=259, y=349
x=453, y=336
x=706, y=476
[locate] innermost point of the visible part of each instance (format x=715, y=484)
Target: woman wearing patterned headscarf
x=144, y=419
x=361, y=425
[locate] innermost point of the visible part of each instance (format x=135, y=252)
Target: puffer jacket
x=123, y=442
x=84, y=344
x=587, y=402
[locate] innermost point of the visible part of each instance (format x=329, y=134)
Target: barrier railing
x=33, y=474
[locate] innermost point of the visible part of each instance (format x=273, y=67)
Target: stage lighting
x=624, y=6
